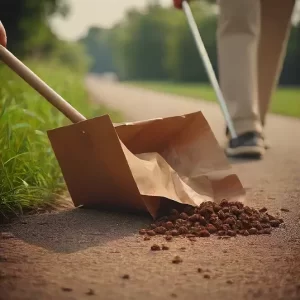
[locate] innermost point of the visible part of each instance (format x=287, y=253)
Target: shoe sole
x=246, y=152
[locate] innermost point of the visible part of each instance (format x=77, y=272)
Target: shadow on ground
x=76, y=229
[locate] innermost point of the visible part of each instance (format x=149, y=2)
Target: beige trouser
x=252, y=38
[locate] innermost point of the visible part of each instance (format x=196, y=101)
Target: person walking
x=252, y=38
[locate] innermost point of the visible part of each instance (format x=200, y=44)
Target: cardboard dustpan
x=136, y=166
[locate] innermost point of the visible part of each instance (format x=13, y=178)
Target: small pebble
x=177, y=260
x=207, y=276
x=262, y=210
x=231, y=233
x=229, y=281
x=147, y=238
x=151, y=232
x=204, y=233
x=155, y=247
x=169, y=238
x=66, y=289
x=160, y=230
x=211, y=228
x=174, y=232
x=143, y=231
x=252, y=230
x=169, y=225
x=90, y=292
x=164, y=247
x=275, y=223
x=184, y=216
x=126, y=276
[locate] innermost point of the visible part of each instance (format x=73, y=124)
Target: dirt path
x=83, y=254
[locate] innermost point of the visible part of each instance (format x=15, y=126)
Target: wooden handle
x=40, y=86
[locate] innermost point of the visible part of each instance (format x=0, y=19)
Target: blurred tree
x=156, y=44
x=26, y=23
x=184, y=62
x=98, y=46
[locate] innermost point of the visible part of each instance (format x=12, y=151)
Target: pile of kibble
x=225, y=220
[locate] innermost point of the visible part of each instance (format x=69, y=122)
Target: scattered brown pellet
x=184, y=216
x=177, y=260
x=194, y=218
x=284, y=209
x=169, y=238
x=221, y=233
x=155, y=247
x=147, y=238
x=211, y=228
x=90, y=292
x=151, y=233
x=229, y=281
x=174, y=232
x=204, y=233
x=207, y=276
x=229, y=221
x=164, y=247
x=224, y=202
x=225, y=210
x=199, y=270
x=262, y=210
x=160, y=230
x=226, y=219
x=264, y=219
x=252, y=230
x=231, y=233
x=126, y=276
x=274, y=223
x=169, y=225
x=270, y=217
x=67, y=289
x=182, y=249
x=217, y=208
x=183, y=230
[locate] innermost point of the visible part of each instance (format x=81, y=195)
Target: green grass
x=285, y=101
x=30, y=177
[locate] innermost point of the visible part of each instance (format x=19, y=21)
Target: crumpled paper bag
x=136, y=166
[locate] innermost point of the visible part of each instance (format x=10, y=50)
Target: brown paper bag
x=134, y=166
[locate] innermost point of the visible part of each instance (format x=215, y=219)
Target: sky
x=86, y=13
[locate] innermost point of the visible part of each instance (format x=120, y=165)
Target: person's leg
x=238, y=36
x=275, y=29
